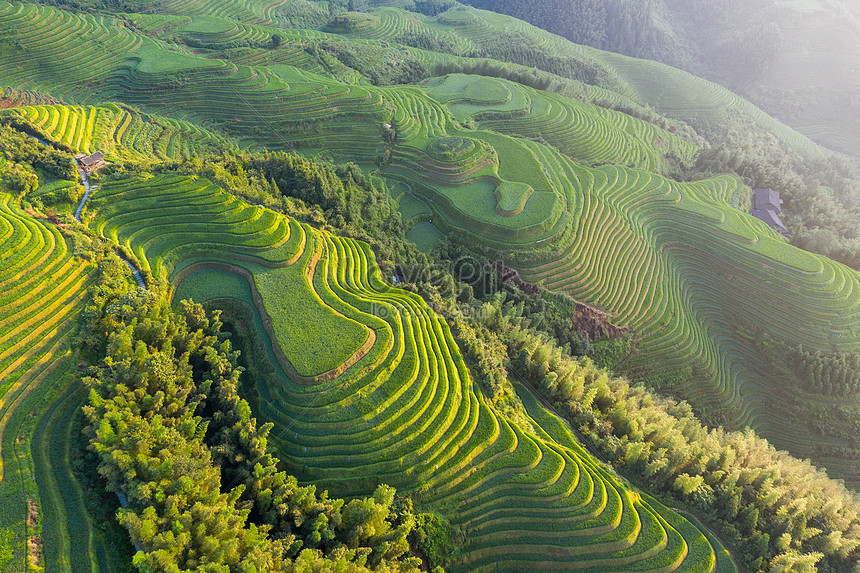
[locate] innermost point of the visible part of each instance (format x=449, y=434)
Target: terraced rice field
x=390, y=23
x=11, y=97
x=52, y=36
x=119, y=132
x=679, y=94
x=686, y=272
x=670, y=91
x=624, y=240
x=291, y=108
x=251, y=11
x=505, y=192
x=585, y=131
x=405, y=411
x=357, y=368
x=467, y=28
x=43, y=290
x=77, y=58
x=298, y=314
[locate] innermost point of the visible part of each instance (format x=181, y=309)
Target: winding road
x=80, y=208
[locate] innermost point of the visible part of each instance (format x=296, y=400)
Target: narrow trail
x=80, y=208
x=86, y=195
x=83, y=203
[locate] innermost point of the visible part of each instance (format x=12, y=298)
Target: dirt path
x=86, y=195
x=80, y=208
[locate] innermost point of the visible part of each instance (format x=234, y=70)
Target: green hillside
x=119, y=133
x=596, y=197
x=44, y=290
x=406, y=411
x=796, y=60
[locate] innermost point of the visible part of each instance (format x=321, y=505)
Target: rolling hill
x=796, y=60
x=392, y=401
x=559, y=167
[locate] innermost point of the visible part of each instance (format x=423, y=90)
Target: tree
x=20, y=180
x=794, y=562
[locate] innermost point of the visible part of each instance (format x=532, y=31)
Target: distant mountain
x=797, y=59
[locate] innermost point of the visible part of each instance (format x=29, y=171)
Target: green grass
x=208, y=284
x=411, y=207
x=314, y=337
x=477, y=90
x=512, y=197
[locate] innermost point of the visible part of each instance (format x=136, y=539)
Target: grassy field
x=405, y=411
x=211, y=284
x=314, y=337
x=425, y=236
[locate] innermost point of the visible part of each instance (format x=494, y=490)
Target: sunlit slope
x=118, y=132
x=403, y=412
x=44, y=290
x=694, y=278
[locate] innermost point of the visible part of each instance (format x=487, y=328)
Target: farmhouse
x=767, y=205
x=90, y=163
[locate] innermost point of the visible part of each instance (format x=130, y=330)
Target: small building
x=764, y=199
x=90, y=163
x=767, y=206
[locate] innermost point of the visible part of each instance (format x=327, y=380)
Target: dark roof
x=767, y=199
x=90, y=160
x=770, y=217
